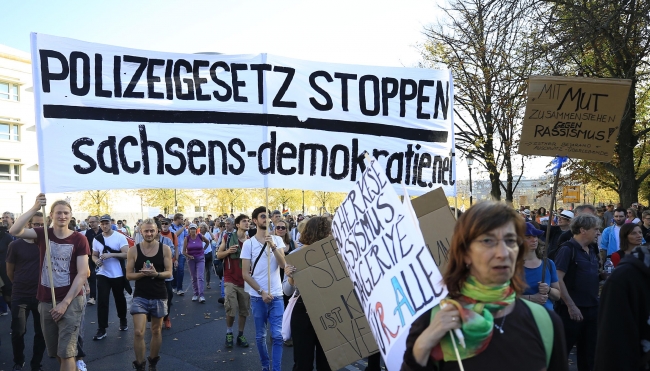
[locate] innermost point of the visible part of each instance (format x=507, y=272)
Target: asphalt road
x=193, y=343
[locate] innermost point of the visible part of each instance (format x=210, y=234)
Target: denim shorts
x=155, y=307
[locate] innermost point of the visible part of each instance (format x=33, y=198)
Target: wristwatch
x=260, y=291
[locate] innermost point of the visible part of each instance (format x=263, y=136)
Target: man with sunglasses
x=92, y=231
x=23, y=271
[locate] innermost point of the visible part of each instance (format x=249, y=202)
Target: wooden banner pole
x=48, y=257
x=268, y=232
x=550, y=216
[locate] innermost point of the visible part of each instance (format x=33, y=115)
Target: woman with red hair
x=484, y=277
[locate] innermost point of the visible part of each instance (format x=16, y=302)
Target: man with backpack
x=237, y=300
x=109, y=253
x=577, y=264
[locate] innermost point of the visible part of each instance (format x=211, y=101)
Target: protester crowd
x=517, y=309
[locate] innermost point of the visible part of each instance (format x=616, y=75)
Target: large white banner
x=110, y=117
x=394, y=275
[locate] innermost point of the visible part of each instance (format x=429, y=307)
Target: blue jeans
x=179, y=273
x=268, y=313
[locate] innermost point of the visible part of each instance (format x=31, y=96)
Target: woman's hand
x=543, y=288
x=447, y=319
x=289, y=270
x=538, y=298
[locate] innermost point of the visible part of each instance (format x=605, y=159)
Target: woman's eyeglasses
x=281, y=228
x=492, y=242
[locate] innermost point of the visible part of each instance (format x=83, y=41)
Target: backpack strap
x=545, y=327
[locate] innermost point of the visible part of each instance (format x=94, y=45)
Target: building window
x=9, y=91
x=9, y=170
x=9, y=132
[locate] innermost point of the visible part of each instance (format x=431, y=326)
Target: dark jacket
x=624, y=318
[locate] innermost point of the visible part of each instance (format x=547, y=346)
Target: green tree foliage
x=326, y=201
x=282, y=199
x=168, y=200
x=95, y=202
x=231, y=200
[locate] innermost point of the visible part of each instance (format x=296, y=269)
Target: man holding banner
x=69, y=258
x=258, y=265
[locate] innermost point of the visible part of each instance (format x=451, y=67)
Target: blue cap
x=532, y=231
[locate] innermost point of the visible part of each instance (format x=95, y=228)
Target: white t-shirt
x=111, y=267
x=251, y=250
x=208, y=236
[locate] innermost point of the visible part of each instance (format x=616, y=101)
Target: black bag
x=127, y=285
x=218, y=267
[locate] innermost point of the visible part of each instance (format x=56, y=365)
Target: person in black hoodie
x=624, y=316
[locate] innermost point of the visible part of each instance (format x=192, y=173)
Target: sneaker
x=229, y=340
x=3, y=313
x=40, y=368
x=18, y=367
x=202, y=299
x=91, y=301
x=168, y=323
x=124, y=325
x=81, y=365
x=242, y=342
x=101, y=333
x=195, y=298
x=288, y=343
x=180, y=292
x=207, y=286
x=174, y=291
x=221, y=300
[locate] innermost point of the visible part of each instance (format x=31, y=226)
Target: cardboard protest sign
x=571, y=194
x=113, y=117
x=334, y=311
x=394, y=276
x=328, y=292
x=436, y=224
x=573, y=117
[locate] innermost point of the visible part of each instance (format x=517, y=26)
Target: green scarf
x=477, y=305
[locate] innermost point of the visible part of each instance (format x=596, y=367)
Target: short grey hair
x=586, y=221
x=9, y=214
x=581, y=209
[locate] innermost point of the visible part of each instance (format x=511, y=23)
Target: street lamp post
x=303, y=202
x=470, y=161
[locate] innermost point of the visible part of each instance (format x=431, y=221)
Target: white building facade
x=19, y=181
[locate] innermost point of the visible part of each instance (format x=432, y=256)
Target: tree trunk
x=628, y=187
x=509, y=186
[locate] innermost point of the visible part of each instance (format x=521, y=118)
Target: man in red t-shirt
x=69, y=256
x=237, y=300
